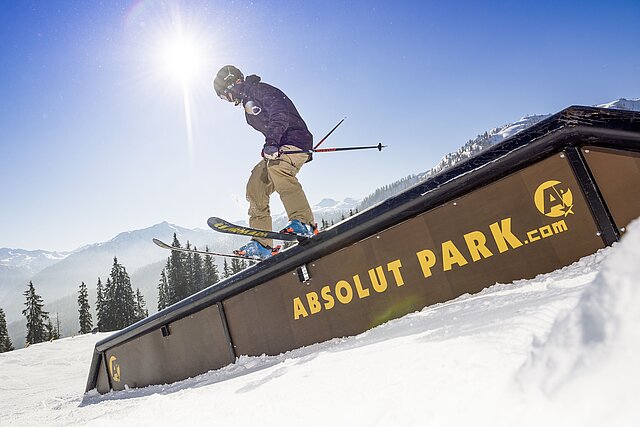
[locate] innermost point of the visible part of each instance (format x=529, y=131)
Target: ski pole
x=330, y=132
x=378, y=147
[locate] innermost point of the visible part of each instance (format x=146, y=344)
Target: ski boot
x=254, y=249
x=297, y=227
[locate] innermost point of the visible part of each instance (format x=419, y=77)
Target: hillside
x=473, y=147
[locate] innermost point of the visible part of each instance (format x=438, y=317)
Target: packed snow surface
x=558, y=350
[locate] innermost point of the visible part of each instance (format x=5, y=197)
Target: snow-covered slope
x=557, y=350
x=33, y=261
x=499, y=134
x=481, y=142
x=623, y=104
x=474, y=146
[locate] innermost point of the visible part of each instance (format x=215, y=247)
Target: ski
x=195, y=251
x=219, y=224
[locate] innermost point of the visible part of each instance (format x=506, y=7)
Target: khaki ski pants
x=279, y=176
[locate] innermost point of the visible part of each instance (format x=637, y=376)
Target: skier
x=271, y=112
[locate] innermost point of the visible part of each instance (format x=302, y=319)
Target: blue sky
x=98, y=137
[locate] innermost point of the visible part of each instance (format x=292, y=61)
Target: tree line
x=186, y=273
x=117, y=305
x=39, y=324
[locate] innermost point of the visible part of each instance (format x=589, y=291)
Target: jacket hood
x=252, y=79
x=241, y=91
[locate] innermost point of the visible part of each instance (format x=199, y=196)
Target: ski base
x=219, y=224
x=195, y=251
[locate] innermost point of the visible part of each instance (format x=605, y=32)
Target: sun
x=175, y=56
x=181, y=57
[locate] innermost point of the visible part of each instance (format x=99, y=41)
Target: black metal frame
x=225, y=327
x=599, y=210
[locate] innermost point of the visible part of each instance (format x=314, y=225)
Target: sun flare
x=176, y=51
x=181, y=58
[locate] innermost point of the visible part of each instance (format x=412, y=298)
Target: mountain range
x=57, y=275
x=474, y=146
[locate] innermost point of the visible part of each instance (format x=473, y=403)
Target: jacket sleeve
x=273, y=102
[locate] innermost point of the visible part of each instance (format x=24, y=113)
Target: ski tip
x=160, y=243
x=214, y=220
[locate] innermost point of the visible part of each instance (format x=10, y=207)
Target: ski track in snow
x=559, y=349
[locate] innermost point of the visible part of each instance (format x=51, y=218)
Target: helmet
x=226, y=79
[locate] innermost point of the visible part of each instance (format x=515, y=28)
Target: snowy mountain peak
x=623, y=104
x=474, y=146
x=32, y=260
x=163, y=228
x=327, y=204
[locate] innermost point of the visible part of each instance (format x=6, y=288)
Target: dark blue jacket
x=275, y=116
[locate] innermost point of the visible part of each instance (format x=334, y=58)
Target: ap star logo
x=553, y=199
x=114, y=369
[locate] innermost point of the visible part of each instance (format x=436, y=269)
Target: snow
x=623, y=104
x=560, y=349
x=31, y=260
x=511, y=129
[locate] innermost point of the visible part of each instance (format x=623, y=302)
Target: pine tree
x=141, y=311
x=226, y=270
x=163, y=291
x=236, y=266
x=100, y=307
x=170, y=291
x=186, y=289
x=210, y=270
x=58, y=333
x=177, y=274
x=53, y=332
x=86, y=323
x=118, y=299
x=49, y=330
x=36, y=316
x=107, y=314
x=5, y=341
x=197, y=273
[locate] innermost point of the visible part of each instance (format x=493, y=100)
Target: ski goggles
x=227, y=95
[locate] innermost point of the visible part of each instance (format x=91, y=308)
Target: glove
x=270, y=152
